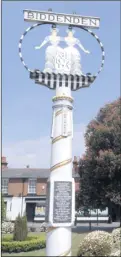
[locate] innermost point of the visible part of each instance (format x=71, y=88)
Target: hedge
x=32, y=243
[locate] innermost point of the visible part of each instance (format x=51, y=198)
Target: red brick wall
x=16, y=187
x=41, y=186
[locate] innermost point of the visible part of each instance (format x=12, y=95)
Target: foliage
x=76, y=238
x=96, y=243
x=31, y=243
x=20, y=228
x=116, y=233
x=7, y=227
x=9, y=237
x=116, y=253
x=41, y=227
x=103, y=133
x=100, y=168
x=2, y=208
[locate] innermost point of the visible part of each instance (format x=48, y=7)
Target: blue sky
x=27, y=107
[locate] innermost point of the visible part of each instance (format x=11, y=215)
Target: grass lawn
x=76, y=238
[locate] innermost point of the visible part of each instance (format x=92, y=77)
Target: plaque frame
x=50, y=216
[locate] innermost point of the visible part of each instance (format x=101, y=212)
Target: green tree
x=100, y=167
x=20, y=229
x=2, y=208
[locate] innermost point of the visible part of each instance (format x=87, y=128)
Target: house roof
x=28, y=173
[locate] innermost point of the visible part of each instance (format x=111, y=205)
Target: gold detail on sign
x=58, y=112
x=55, y=98
x=58, y=165
x=59, y=138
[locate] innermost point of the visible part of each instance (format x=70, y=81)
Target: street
x=84, y=227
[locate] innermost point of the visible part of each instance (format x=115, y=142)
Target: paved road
x=81, y=228
x=84, y=227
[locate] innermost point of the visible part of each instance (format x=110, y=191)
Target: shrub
x=7, y=227
x=96, y=243
x=20, y=229
x=32, y=229
x=32, y=243
x=116, y=234
x=43, y=227
x=24, y=227
x=116, y=253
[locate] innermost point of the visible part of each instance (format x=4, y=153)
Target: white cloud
x=36, y=153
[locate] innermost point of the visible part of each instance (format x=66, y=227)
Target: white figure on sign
x=59, y=60
x=71, y=41
x=51, y=50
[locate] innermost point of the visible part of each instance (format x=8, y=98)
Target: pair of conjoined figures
x=59, y=60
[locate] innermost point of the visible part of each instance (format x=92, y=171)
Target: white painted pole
x=58, y=242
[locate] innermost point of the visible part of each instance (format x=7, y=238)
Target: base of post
x=58, y=242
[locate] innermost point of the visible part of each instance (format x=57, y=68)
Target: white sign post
x=62, y=72
x=61, y=211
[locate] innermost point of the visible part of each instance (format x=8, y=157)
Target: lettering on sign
x=62, y=206
x=60, y=18
x=65, y=123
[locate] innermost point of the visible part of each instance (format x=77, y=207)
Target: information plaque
x=62, y=205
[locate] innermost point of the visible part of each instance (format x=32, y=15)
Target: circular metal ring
x=102, y=50
x=88, y=30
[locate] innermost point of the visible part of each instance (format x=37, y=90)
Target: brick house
x=24, y=190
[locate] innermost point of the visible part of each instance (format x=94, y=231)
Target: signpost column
x=61, y=194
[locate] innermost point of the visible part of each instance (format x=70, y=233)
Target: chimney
x=3, y=162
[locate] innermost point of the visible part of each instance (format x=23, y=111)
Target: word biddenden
x=84, y=21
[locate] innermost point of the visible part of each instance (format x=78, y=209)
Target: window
x=4, y=186
x=32, y=186
x=39, y=210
